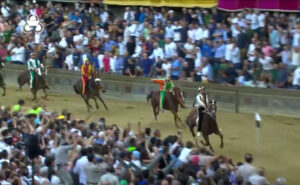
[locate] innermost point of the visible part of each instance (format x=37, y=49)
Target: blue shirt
x=108, y=45
x=176, y=64
x=142, y=17
x=95, y=61
x=207, y=51
x=220, y=51
x=119, y=63
x=147, y=64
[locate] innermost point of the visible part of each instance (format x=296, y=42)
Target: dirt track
x=276, y=148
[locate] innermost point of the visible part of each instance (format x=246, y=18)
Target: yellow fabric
x=90, y=70
x=170, y=3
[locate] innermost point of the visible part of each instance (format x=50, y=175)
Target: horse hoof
x=3, y=94
x=222, y=145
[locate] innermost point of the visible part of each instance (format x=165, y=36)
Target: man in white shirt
x=80, y=165
x=170, y=48
x=5, y=10
x=258, y=178
x=184, y=154
x=246, y=170
x=158, y=17
x=69, y=62
x=128, y=15
x=103, y=15
x=261, y=20
x=235, y=56
x=251, y=50
x=192, y=33
x=169, y=32
x=199, y=34
x=157, y=52
x=166, y=66
x=228, y=49
x=296, y=78
x=177, y=31
x=18, y=54
x=266, y=62
x=254, y=20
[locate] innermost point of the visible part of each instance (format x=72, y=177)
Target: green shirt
x=17, y=108
x=169, y=86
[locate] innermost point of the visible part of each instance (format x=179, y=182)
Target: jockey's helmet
x=201, y=88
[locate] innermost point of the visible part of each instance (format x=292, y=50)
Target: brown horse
x=94, y=85
x=24, y=78
x=172, y=100
x=39, y=83
x=209, y=124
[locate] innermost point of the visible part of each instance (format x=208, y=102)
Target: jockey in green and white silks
x=34, y=68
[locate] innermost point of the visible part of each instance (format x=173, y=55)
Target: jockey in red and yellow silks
x=87, y=71
x=166, y=85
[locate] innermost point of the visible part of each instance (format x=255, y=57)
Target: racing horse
x=39, y=82
x=2, y=83
x=172, y=101
x=24, y=78
x=92, y=91
x=209, y=124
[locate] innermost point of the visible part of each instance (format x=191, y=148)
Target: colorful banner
x=276, y=5
x=170, y=3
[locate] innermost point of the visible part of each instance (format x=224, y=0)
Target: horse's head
x=178, y=95
x=97, y=81
x=212, y=105
x=43, y=70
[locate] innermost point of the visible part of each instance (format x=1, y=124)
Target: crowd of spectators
x=70, y=151
x=247, y=48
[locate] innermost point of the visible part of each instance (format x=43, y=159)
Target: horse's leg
x=86, y=102
x=154, y=112
x=97, y=106
x=4, y=91
x=178, y=118
x=45, y=92
x=34, y=94
x=219, y=133
x=175, y=119
x=207, y=143
x=100, y=98
x=192, y=130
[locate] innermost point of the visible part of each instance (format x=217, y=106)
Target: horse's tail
x=149, y=96
x=19, y=79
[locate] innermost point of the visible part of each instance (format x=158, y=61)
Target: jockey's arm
x=157, y=81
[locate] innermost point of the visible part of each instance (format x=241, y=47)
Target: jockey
x=166, y=85
x=34, y=68
x=87, y=71
x=201, y=103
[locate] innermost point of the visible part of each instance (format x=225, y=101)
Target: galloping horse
x=172, y=100
x=39, y=82
x=24, y=77
x=94, y=85
x=2, y=83
x=209, y=124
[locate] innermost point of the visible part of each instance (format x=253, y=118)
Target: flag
x=258, y=119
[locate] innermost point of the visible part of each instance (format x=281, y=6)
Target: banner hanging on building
x=276, y=5
x=170, y=3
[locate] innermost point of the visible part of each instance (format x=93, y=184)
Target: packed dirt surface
x=275, y=145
